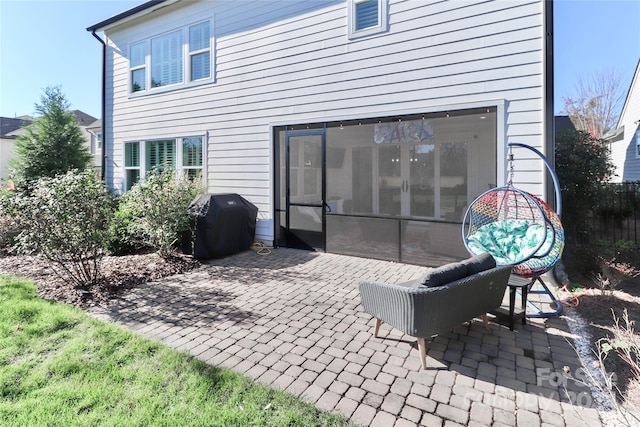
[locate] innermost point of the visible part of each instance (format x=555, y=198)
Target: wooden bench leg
x=378, y=323
x=485, y=322
x=423, y=352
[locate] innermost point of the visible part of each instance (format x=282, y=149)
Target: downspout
x=549, y=119
x=104, y=107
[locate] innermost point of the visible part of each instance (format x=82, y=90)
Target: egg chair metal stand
x=519, y=229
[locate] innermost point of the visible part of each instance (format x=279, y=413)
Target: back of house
x=362, y=127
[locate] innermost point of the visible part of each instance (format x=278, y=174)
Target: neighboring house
x=625, y=139
x=563, y=123
x=359, y=127
x=11, y=128
x=95, y=132
x=9, y=131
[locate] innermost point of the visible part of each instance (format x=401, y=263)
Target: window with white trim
x=166, y=59
x=637, y=139
x=96, y=142
x=144, y=157
x=172, y=60
x=200, y=51
x=366, y=17
x=137, y=62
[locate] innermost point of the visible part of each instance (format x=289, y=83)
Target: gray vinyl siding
x=291, y=62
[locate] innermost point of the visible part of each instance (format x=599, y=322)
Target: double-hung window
x=200, y=51
x=131, y=164
x=179, y=58
x=138, y=53
x=367, y=17
x=142, y=158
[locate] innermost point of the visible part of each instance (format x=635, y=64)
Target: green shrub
x=65, y=219
x=52, y=144
x=9, y=229
x=158, y=206
x=122, y=238
x=584, y=166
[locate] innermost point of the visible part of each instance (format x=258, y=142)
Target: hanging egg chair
x=550, y=252
x=515, y=227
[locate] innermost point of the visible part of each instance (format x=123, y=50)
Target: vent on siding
x=366, y=14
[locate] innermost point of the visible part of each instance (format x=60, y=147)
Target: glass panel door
x=305, y=192
x=453, y=180
x=421, y=163
x=390, y=182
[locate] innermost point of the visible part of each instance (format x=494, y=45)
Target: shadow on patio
x=293, y=320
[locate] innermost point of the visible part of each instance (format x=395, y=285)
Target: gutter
x=104, y=104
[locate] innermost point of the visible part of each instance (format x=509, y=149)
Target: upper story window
x=200, y=51
x=166, y=59
x=367, y=17
x=172, y=60
x=637, y=139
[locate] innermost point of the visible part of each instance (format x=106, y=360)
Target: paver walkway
x=292, y=320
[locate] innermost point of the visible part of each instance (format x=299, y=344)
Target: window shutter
x=200, y=66
x=166, y=59
x=199, y=37
x=138, y=53
x=132, y=154
x=192, y=152
x=161, y=155
x=366, y=14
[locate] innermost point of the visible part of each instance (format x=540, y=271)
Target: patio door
x=305, y=191
x=406, y=180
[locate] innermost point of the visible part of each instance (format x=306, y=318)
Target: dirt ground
x=124, y=272
x=598, y=309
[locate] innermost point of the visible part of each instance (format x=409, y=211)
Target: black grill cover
x=224, y=224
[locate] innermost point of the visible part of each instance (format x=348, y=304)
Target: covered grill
x=224, y=224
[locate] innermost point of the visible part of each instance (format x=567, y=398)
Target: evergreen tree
x=53, y=143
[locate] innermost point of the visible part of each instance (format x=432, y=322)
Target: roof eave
x=139, y=10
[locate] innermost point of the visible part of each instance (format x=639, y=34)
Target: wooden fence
x=615, y=214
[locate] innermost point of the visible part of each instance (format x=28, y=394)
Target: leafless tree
x=595, y=103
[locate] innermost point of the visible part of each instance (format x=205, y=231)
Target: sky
x=45, y=43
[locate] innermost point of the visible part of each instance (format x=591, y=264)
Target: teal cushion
x=479, y=263
x=442, y=275
x=509, y=241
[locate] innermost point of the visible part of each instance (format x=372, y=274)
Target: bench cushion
x=479, y=263
x=442, y=275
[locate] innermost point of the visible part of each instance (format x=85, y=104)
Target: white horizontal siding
x=623, y=152
x=292, y=62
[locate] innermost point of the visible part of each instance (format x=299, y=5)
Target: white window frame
x=166, y=64
x=142, y=153
x=383, y=19
x=186, y=62
x=191, y=54
x=143, y=67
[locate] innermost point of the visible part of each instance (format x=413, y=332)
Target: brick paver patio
x=292, y=320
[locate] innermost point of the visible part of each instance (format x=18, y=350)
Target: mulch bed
x=598, y=309
x=119, y=273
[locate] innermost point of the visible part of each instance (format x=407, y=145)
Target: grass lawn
x=60, y=367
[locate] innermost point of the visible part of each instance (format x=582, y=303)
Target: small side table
x=515, y=283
